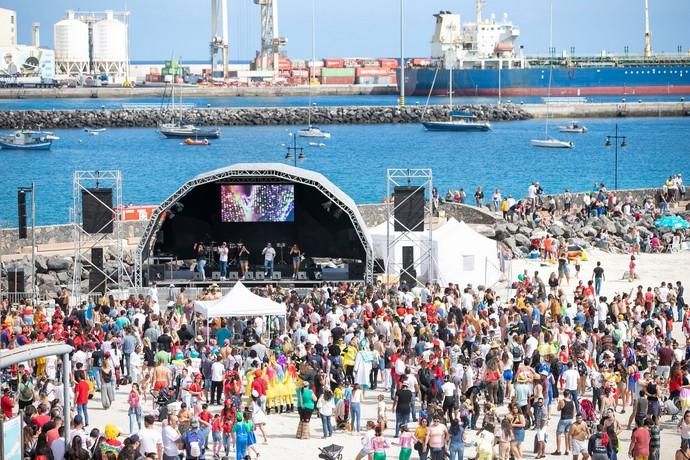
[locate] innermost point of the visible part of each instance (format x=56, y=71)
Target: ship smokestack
x=647, y=33
x=479, y=12
x=36, y=34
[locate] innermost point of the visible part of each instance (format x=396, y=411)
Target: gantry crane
x=219, y=35
x=271, y=42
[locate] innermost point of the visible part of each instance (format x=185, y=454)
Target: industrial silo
x=109, y=37
x=71, y=37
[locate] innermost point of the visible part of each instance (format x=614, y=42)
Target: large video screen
x=257, y=203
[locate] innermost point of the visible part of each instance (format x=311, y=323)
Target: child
x=631, y=269
x=217, y=434
x=228, y=436
x=541, y=439
x=577, y=267
x=381, y=413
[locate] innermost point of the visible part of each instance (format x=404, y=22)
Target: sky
x=356, y=28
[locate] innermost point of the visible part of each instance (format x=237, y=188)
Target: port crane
x=271, y=41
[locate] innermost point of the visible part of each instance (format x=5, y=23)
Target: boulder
x=589, y=231
x=46, y=279
x=522, y=240
x=556, y=230
x=41, y=264
x=512, y=228
x=526, y=231
x=512, y=245
x=63, y=277
x=501, y=232
x=57, y=263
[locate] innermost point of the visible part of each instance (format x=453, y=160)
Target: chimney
x=36, y=34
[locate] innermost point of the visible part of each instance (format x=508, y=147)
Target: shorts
x=159, y=385
x=207, y=384
x=563, y=426
x=579, y=447
x=365, y=452
x=217, y=436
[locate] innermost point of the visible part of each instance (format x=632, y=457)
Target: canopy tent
x=459, y=253
x=240, y=301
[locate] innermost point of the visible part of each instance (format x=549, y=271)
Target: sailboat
x=457, y=120
x=550, y=142
x=310, y=130
x=179, y=130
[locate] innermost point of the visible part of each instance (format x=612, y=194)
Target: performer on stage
x=296, y=256
x=269, y=254
x=243, y=254
x=200, y=250
x=223, y=252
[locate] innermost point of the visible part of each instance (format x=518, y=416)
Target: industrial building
x=8, y=27
x=92, y=43
x=27, y=63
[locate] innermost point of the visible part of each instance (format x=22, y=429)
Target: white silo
x=110, y=46
x=71, y=38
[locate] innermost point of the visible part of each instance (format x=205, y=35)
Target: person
x=567, y=408
x=150, y=439
x=243, y=254
x=7, y=403
x=107, y=383
x=683, y=453
x=683, y=428
x=194, y=441
x=305, y=404
x=26, y=392
x=296, y=256
x=223, y=253
x=217, y=379
x=505, y=438
x=579, y=435
x=401, y=407
x=81, y=397
x=456, y=447
x=598, y=277
x=541, y=439
x=631, y=269
x=639, y=442
x=356, y=407
x=200, y=251
x=406, y=442
x=134, y=411
x=437, y=438
x=76, y=450
x=326, y=406
x=240, y=430
x=572, y=378
x=366, y=451
x=517, y=421
x=269, y=254
x=379, y=444
x=420, y=437
x=170, y=437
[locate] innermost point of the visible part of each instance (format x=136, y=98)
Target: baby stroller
x=332, y=452
x=589, y=415
x=162, y=401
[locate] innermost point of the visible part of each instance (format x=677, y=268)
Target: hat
x=239, y=417
x=199, y=338
x=544, y=372
x=255, y=394
x=305, y=383
x=195, y=422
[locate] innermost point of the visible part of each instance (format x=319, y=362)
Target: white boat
x=552, y=143
x=25, y=139
x=94, y=130
x=312, y=131
x=573, y=127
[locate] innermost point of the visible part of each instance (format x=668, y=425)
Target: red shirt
x=81, y=392
x=640, y=442
x=6, y=404
x=52, y=435
x=260, y=386
x=205, y=416
x=40, y=420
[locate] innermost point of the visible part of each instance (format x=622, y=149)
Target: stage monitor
x=257, y=203
x=97, y=210
x=409, y=209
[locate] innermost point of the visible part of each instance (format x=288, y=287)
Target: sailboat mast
x=313, y=57
x=450, y=87
x=546, y=125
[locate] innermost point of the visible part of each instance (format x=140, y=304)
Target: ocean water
x=355, y=159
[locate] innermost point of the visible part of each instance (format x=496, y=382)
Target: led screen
x=257, y=203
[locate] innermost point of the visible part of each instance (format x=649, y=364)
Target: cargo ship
x=486, y=63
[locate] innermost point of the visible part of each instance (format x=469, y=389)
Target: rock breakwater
x=125, y=118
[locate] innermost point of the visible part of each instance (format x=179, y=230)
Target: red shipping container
x=337, y=80
x=284, y=64
x=389, y=63
x=372, y=72
x=334, y=63
x=421, y=61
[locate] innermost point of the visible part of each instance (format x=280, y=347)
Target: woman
x=479, y=197
x=258, y=415
x=683, y=453
x=306, y=400
x=631, y=269
x=107, y=376
x=29, y=441
x=457, y=443
x=76, y=451
x=296, y=256
x=243, y=254
x=26, y=392
x=406, y=442
x=134, y=411
x=420, y=439
x=684, y=429
x=42, y=450
x=505, y=439
x=379, y=445
x=326, y=406
x=517, y=422
x=356, y=407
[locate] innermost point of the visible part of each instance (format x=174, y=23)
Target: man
x=567, y=408
x=223, y=252
x=571, y=378
x=150, y=439
x=194, y=441
x=639, y=442
x=81, y=397
x=666, y=357
x=269, y=254
x=579, y=434
x=7, y=403
x=129, y=344
x=78, y=430
x=96, y=364
x=217, y=377
x=437, y=437
x=598, y=277
x=597, y=447
x=170, y=436
x=401, y=407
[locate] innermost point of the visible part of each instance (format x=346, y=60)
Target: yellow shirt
x=349, y=356
x=420, y=433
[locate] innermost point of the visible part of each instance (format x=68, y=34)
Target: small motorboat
x=552, y=143
x=94, y=131
x=25, y=139
x=573, y=128
x=317, y=144
x=313, y=131
x=190, y=141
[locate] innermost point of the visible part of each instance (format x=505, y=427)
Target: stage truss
x=421, y=179
x=112, y=243
x=282, y=172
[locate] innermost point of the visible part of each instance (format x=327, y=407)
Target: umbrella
x=672, y=222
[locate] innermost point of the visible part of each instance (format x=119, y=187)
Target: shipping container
x=284, y=64
x=338, y=80
x=389, y=63
x=344, y=72
x=383, y=80
x=299, y=64
x=300, y=73
x=334, y=63
x=371, y=63
x=421, y=61
x=315, y=64
x=372, y=72
x=155, y=70
x=351, y=62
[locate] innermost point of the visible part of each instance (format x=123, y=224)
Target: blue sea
x=355, y=158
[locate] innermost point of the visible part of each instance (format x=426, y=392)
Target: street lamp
x=294, y=152
x=615, y=138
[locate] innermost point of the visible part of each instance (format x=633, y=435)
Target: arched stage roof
x=257, y=172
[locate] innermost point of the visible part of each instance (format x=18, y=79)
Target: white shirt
x=269, y=253
x=150, y=438
x=571, y=376
x=81, y=433
x=532, y=344
x=223, y=253
x=170, y=436
x=217, y=371
x=324, y=337
x=448, y=389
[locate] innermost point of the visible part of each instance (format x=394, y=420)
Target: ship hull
x=590, y=81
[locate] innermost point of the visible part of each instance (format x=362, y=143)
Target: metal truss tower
x=271, y=41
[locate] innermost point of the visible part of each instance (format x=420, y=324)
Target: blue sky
x=159, y=28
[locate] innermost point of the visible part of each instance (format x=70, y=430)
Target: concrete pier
x=609, y=110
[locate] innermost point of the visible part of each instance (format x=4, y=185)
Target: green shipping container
x=334, y=72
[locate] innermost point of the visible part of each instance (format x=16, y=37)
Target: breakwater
x=608, y=109
x=249, y=116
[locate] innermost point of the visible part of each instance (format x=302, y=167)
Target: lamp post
x=615, y=138
x=402, y=53
x=293, y=151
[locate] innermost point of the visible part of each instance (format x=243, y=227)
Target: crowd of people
x=448, y=368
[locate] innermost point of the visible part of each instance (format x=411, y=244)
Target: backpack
x=516, y=351
x=193, y=444
x=26, y=392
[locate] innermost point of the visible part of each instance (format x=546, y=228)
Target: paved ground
x=281, y=428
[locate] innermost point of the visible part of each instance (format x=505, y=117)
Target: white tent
x=459, y=253
x=240, y=301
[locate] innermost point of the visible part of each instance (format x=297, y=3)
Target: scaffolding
x=421, y=179
x=116, y=275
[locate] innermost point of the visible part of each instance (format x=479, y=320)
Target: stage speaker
x=259, y=276
x=249, y=276
x=379, y=266
x=233, y=276
x=302, y=276
x=407, y=257
x=21, y=214
x=215, y=276
x=277, y=276
x=408, y=209
x=157, y=272
x=355, y=271
x=409, y=277
x=97, y=281
x=15, y=280
x=97, y=210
